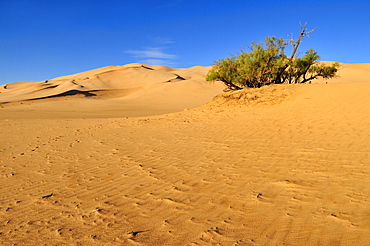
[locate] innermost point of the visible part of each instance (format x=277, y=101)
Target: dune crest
x=133, y=90
x=102, y=79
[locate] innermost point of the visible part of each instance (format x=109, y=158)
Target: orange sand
x=286, y=165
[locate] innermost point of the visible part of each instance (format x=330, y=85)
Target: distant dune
x=278, y=165
x=129, y=90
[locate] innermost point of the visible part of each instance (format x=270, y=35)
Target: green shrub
x=267, y=63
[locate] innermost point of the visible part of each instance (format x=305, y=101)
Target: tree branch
x=302, y=33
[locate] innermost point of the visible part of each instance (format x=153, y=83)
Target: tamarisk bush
x=267, y=63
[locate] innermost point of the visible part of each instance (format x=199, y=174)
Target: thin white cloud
x=163, y=40
x=151, y=53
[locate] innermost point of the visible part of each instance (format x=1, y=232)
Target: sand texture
x=280, y=165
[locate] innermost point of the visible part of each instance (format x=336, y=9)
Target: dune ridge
x=281, y=165
x=102, y=79
x=129, y=90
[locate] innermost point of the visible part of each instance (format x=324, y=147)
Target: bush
x=267, y=63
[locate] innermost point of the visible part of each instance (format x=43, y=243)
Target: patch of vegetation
x=267, y=64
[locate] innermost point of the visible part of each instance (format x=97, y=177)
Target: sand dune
x=281, y=165
x=129, y=90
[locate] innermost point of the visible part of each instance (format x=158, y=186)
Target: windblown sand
x=280, y=165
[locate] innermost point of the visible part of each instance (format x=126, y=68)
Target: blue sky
x=44, y=39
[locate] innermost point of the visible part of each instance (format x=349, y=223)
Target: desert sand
x=142, y=155
x=113, y=91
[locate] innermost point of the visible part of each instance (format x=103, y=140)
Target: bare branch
x=303, y=32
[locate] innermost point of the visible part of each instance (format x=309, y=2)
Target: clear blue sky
x=44, y=39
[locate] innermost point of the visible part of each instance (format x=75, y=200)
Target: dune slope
x=285, y=166
x=129, y=90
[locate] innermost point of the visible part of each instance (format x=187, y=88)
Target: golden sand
x=286, y=165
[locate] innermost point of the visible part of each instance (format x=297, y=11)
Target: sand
x=113, y=91
x=286, y=165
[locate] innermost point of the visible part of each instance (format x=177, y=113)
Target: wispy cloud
x=154, y=55
x=163, y=40
x=151, y=53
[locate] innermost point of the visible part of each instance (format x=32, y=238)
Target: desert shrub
x=267, y=63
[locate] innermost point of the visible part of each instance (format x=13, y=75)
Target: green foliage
x=267, y=63
x=302, y=70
